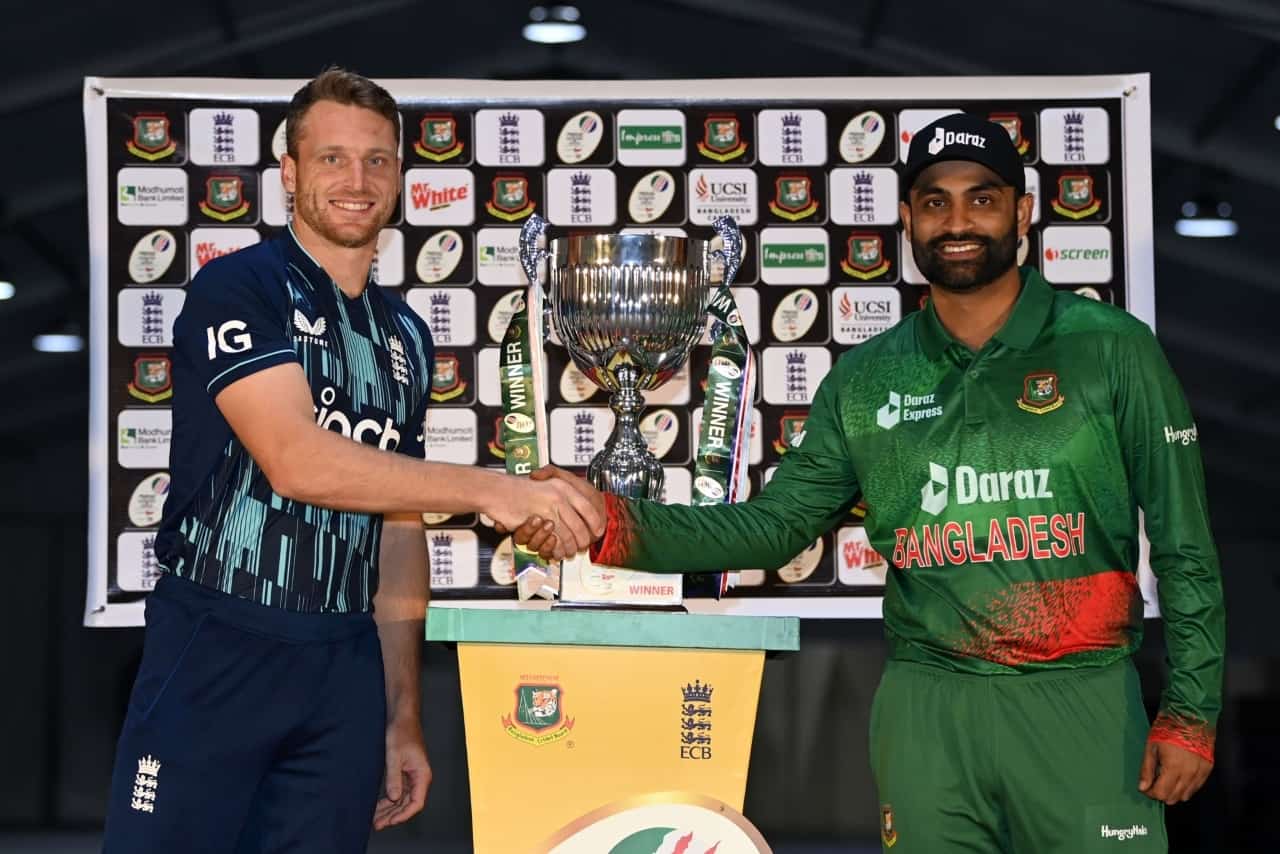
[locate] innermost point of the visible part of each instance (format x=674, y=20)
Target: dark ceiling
x=1215, y=67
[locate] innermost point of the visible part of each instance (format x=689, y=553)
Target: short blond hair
x=342, y=87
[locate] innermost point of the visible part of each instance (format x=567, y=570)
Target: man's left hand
x=1172, y=774
x=408, y=775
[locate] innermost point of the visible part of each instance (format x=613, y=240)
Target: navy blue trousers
x=251, y=730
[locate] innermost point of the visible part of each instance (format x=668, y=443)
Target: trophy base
x=584, y=584
x=614, y=606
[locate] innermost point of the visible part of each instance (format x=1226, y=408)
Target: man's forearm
x=329, y=470
x=402, y=664
x=400, y=608
x=763, y=533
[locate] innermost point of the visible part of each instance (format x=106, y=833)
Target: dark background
x=1215, y=68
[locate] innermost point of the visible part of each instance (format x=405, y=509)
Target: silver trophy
x=628, y=308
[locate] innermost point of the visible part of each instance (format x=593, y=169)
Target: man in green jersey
x=1004, y=440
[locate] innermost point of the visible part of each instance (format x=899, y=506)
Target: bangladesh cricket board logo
x=496, y=446
x=1040, y=393
x=721, y=140
x=792, y=198
x=539, y=716
x=224, y=198
x=791, y=433
x=152, y=378
x=1076, y=197
x=1012, y=123
x=865, y=257
x=446, y=378
x=151, y=139
x=510, y=199
x=438, y=140
x=888, y=833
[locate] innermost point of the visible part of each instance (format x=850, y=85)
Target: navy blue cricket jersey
x=369, y=364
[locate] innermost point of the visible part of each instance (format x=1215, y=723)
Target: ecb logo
x=695, y=721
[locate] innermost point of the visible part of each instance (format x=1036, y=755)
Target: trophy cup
x=628, y=309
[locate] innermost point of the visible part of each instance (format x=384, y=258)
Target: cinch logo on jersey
x=1123, y=833
x=1182, y=437
x=943, y=138
x=1039, y=536
x=907, y=407
x=366, y=431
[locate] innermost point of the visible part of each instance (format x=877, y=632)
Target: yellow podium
x=609, y=732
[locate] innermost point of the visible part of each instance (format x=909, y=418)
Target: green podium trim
x=612, y=628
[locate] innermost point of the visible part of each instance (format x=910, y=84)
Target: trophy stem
x=625, y=467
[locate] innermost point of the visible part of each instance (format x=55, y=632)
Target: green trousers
x=1043, y=763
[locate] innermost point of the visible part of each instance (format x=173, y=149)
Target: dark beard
x=308, y=210
x=966, y=276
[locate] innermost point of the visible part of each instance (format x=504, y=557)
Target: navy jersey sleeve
x=422, y=357
x=234, y=322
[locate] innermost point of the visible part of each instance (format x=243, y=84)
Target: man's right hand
x=539, y=533
x=573, y=507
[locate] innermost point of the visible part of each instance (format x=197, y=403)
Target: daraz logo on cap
x=943, y=138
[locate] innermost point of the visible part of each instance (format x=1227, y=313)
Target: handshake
x=552, y=512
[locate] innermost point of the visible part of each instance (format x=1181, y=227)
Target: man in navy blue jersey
x=279, y=686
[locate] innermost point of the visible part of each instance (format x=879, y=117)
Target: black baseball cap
x=963, y=136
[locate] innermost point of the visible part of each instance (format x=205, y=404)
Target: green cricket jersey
x=1004, y=486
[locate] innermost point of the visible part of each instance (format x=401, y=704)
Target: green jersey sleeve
x=812, y=489
x=1158, y=439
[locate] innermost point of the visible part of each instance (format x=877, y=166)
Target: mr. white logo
x=309, y=331
x=975, y=487
x=145, y=784
x=1123, y=834
x=231, y=337
x=1183, y=437
x=907, y=407
x=943, y=138
x=384, y=435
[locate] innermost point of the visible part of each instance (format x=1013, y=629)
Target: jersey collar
x=310, y=267
x=299, y=255
x=1020, y=331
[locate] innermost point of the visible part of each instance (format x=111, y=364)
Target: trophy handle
x=731, y=254
x=531, y=254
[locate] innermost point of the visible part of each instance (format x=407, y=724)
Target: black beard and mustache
x=966, y=276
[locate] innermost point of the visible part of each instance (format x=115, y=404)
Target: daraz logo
x=975, y=487
x=943, y=138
